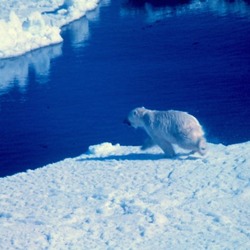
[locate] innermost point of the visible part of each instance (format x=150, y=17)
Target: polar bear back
x=171, y=119
x=177, y=127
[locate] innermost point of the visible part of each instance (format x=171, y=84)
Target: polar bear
x=166, y=128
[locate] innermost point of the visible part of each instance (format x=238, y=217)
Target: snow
x=119, y=197
x=28, y=25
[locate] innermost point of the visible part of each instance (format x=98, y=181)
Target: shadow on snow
x=142, y=157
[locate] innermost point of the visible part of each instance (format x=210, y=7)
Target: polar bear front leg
x=166, y=147
x=148, y=143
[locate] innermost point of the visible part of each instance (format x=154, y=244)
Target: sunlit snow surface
x=28, y=25
x=116, y=197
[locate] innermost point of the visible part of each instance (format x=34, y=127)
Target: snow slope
x=28, y=25
x=117, y=197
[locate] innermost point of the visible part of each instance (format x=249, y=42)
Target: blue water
x=56, y=101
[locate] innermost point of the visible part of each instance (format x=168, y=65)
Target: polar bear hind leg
x=199, y=147
x=202, y=145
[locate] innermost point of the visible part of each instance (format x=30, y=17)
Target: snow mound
x=103, y=149
x=117, y=197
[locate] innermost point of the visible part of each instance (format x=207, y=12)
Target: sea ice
x=28, y=25
x=119, y=197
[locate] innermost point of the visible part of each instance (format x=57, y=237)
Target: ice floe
x=119, y=197
x=28, y=25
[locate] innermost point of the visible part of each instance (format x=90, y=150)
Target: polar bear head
x=135, y=117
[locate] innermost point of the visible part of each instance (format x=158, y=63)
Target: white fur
x=170, y=127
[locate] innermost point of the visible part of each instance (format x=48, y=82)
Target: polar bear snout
x=134, y=118
x=126, y=121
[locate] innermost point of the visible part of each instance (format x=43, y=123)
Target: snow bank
x=117, y=197
x=19, y=36
x=28, y=25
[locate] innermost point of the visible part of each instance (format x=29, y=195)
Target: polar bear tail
x=202, y=145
